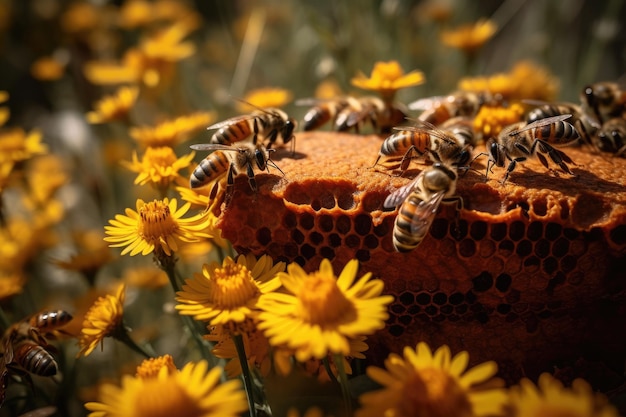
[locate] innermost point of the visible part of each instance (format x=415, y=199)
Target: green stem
x=245, y=372
x=123, y=336
x=343, y=382
x=4, y=320
x=329, y=371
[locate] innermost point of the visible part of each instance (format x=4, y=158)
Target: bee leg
x=458, y=235
x=230, y=182
x=251, y=179
x=271, y=138
x=511, y=167
x=555, y=155
x=406, y=159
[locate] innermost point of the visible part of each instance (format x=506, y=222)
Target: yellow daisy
x=114, y=107
x=549, y=398
x=150, y=368
x=490, y=120
x=159, y=167
x=469, y=37
x=103, y=319
x=147, y=277
x=16, y=145
x=229, y=293
x=155, y=226
x=47, y=68
x=172, y=132
x=128, y=70
x=387, y=78
x=433, y=384
x=263, y=98
x=320, y=312
x=194, y=391
x=11, y=283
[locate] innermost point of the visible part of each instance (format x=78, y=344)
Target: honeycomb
x=530, y=274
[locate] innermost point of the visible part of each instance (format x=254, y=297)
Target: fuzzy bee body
x=436, y=110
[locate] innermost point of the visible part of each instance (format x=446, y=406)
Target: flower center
x=156, y=221
x=159, y=157
x=233, y=286
x=160, y=399
x=322, y=302
x=432, y=392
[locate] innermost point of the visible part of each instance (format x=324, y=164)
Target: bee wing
x=426, y=103
x=312, y=101
x=231, y=121
x=540, y=123
x=267, y=110
x=212, y=147
x=425, y=212
x=431, y=129
x=398, y=196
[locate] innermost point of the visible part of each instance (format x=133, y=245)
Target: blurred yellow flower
x=92, y=253
x=44, y=176
x=80, y=17
x=11, y=283
x=229, y=293
x=47, y=68
x=4, y=111
x=469, y=37
x=147, y=277
x=194, y=391
x=136, y=13
x=550, y=398
x=172, y=132
x=20, y=241
x=490, y=120
x=16, y=145
x=114, y=107
x=264, y=98
x=128, y=71
x=317, y=368
x=103, y=319
x=150, y=368
x=320, y=312
x=6, y=167
x=387, y=77
x=423, y=382
x=155, y=226
x=159, y=167
x=310, y=412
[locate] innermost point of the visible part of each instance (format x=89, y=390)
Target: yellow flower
x=128, y=71
x=159, y=167
x=6, y=167
x=16, y=145
x=92, y=253
x=11, y=283
x=80, y=17
x=264, y=98
x=387, y=77
x=4, y=111
x=470, y=37
x=549, y=398
x=155, y=226
x=145, y=277
x=229, y=293
x=136, y=13
x=45, y=175
x=320, y=313
x=150, y=368
x=47, y=68
x=172, y=132
x=190, y=392
x=103, y=319
x=490, y=120
x=114, y=107
x=317, y=368
x=434, y=384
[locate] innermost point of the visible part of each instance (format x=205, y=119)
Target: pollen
x=322, y=302
x=233, y=286
x=156, y=221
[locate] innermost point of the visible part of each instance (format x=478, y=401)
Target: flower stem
x=123, y=336
x=245, y=372
x=343, y=382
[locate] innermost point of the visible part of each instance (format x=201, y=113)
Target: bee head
x=287, y=130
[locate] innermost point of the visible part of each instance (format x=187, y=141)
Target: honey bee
x=264, y=125
x=612, y=136
x=26, y=349
x=586, y=126
x=603, y=100
x=424, y=138
x=230, y=160
x=438, y=109
x=418, y=203
x=349, y=113
x=520, y=141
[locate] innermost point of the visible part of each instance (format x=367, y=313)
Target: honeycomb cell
x=423, y=298
x=503, y=309
x=363, y=224
x=534, y=231
x=440, y=298
x=498, y=231
x=352, y=241
x=264, y=236
x=503, y=282
x=316, y=238
x=553, y=231
x=382, y=229
x=328, y=253
x=363, y=255
x=343, y=224
x=431, y=310
x=549, y=265
x=618, y=235
x=405, y=319
x=524, y=248
x=540, y=208
x=467, y=248
x=325, y=223
x=406, y=298
x=290, y=220
x=334, y=240
x=439, y=228
x=307, y=221
x=395, y=330
x=397, y=309
x=506, y=247
x=446, y=309
x=297, y=236
x=456, y=298
x=560, y=247
x=307, y=251
x=478, y=230
x=517, y=230
x=542, y=248
x=458, y=229
x=371, y=241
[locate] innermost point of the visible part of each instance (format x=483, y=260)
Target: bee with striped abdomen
x=438, y=109
x=418, y=202
x=520, y=141
x=604, y=100
x=612, y=136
